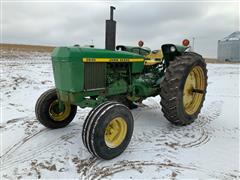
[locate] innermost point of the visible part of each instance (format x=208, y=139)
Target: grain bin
x=229, y=47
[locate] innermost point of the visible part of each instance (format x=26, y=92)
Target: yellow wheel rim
x=195, y=82
x=115, y=132
x=56, y=114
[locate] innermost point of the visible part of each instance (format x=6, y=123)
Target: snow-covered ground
x=208, y=148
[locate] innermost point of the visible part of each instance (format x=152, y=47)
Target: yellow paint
x=115, y=132
x=112, y=60
x=57, y=115
x=157, y=55
x=195, y=80
x=151, y=62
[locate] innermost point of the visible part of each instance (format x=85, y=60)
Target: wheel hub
x=115, y=132
x=56, y=113
x=193, y=90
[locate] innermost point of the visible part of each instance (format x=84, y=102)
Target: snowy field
x=208, y=148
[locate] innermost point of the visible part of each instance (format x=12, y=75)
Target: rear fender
x=170, y=51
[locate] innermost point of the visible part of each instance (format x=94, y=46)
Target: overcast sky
x=156, y=23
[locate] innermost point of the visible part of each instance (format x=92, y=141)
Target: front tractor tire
x=48, y=112
x=183, y=89
x=107, y=130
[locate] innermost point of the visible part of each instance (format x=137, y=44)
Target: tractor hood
x=79, y=53
x=72, y=66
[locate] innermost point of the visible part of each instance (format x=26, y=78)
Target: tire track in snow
x=174, y=137
x=13, y=159
x=193, y=135
x=23, y=151
x=125, y=165
x=161, y=137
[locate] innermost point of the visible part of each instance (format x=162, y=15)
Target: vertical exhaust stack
x=110, y=41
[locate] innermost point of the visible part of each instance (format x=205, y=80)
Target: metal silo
x=229, y=47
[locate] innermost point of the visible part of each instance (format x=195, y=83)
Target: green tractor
x=113, y=80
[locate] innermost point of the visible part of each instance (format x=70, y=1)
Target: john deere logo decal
x=112, y=60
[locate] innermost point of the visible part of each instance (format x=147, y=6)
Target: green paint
x=137, y=67
x=68, y=75
x=118, y=87
x=181, y=48
x=137, y=50
x=82, y=99
x=143, y=86
x=132, y=79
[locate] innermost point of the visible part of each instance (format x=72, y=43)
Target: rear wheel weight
x=183, y=89
x=112, y=118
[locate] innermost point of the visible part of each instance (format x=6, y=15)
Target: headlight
x=172, y=48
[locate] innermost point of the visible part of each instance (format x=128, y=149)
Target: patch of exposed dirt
x=107, y=171
x=83, y=165
x=25, y=48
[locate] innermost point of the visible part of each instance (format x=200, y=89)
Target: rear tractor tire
x=107, y=130
x=183, y=89
x=48, y=112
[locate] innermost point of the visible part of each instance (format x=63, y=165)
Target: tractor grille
x=94, y=75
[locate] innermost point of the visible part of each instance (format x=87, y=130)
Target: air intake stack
x=110, y=41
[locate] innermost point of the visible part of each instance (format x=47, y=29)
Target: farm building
x=229, y=47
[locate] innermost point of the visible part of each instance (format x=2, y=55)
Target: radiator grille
x=94, y=75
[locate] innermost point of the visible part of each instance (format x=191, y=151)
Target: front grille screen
x=94, y=75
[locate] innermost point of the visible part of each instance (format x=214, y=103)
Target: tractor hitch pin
x=198, y=91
